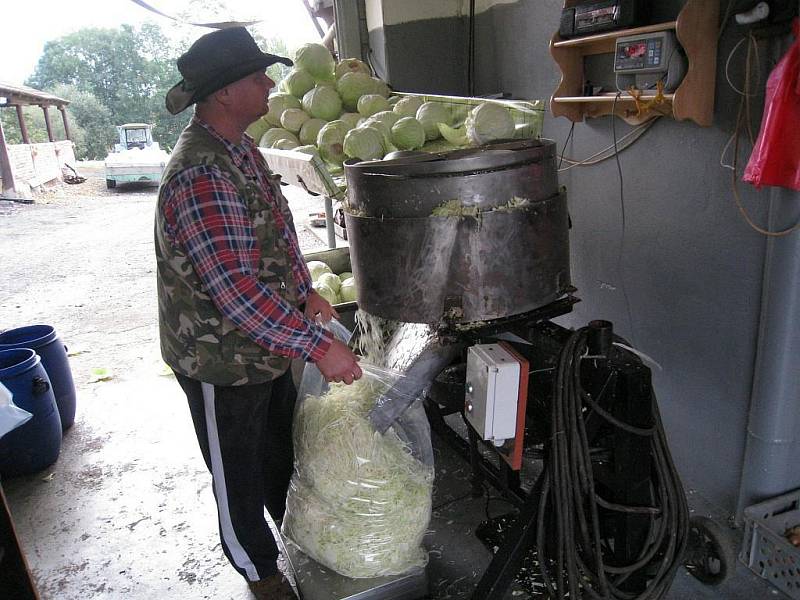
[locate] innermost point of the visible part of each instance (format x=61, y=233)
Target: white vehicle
x=136, y=158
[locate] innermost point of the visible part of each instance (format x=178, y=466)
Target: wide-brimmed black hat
x=214, y=61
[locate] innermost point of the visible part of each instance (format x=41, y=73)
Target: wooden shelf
x=608, y=38
x=696, y=30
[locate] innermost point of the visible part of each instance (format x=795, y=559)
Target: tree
x=127, y=70
x=91, y=124
x=116, y=76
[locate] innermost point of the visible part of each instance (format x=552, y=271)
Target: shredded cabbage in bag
x=359, y=502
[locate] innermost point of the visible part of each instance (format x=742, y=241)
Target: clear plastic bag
x=11, y=415
x=359, y=502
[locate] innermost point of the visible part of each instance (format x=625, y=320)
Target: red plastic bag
x=776, y=156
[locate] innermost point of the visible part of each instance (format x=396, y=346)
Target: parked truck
x=136, y=157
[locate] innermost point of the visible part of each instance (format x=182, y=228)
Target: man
x=235, y=297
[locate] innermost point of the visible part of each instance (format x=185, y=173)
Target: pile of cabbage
x=337, y=111
x=336, y=289
x=359, y=501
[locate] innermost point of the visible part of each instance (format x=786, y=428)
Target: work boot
x=274, y=587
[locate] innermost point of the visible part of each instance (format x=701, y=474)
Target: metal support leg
x=500, y=573
x=329, y=222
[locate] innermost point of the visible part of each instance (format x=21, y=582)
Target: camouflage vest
x=196, y=339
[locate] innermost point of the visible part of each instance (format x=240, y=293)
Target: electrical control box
x=644, y=59
x=492, y=391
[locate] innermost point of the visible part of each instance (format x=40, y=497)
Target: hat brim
x=180, y=97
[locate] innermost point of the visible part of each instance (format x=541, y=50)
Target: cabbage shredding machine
x=467, y=253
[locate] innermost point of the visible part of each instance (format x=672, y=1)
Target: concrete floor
x=127, y=511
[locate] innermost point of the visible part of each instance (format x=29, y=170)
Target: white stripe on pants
x=240, y=557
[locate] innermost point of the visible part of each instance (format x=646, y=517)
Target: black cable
x=571, y=546
x=566, y=142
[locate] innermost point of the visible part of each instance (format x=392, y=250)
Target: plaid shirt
x=207, y=218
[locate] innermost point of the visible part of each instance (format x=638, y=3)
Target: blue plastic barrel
x=44, y=340
x=36, y=444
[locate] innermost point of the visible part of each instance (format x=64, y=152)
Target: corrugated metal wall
x=685, y=279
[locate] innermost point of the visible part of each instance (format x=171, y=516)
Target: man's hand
x=317, y=308
x=339, y=364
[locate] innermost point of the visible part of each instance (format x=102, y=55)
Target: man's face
x=250, y=95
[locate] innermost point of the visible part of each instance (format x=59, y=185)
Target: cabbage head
x=351, y=86
x=285, y=144
x=277, y=104
x=386, y=116
x=330, y=142
x=331, y=280
x=273, y=135
x=408, y=106
x=369, y=104
x=384, y=129
x=258, y=128
x=317, y=268
x=408, y=134
x=381, y=88
x=292, y=119
x=351, y=119
x=364, y=143
x=326, y=292
x=315, y=59
x=347, y=290
x=322, y=102
x=309, y=131
x=297, y=82
x=351, y=65
x=430, y=114
x=487, y=122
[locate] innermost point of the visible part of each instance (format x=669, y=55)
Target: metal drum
x=505, y=254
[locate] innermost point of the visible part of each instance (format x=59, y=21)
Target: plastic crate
x=765, y=549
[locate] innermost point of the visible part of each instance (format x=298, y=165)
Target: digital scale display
x=633, y=50
x=644, y=60
x=644, y=53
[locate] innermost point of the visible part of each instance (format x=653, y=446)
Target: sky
x=28, y=24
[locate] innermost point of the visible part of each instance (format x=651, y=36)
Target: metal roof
x=23, y=95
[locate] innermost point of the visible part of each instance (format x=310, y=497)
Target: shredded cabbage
x=359, y=502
